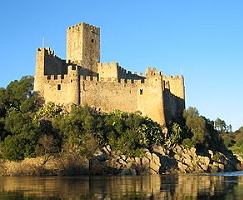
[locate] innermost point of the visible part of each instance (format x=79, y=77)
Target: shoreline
x=158, y=160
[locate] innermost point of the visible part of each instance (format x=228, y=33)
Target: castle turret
x=47, y=63
x=83, y=45
x=40, y=69
x=150, y=96
x=73, y=86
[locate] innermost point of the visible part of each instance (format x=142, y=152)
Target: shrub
x=129, y=132
x=17, y=147
x=188, y=143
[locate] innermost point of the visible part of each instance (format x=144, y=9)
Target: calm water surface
x=225, y=186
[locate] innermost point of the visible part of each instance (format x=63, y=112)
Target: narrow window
x=141, y=91
x=92, y=40
x=59, y=87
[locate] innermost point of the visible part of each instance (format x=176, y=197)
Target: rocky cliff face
x=158, y=160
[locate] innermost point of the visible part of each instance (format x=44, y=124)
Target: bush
x=188, y=143
x=203, y=133
x=49, y=110
x=17, y=148
x=81, y=129
x=228, y=141
x=129, y=132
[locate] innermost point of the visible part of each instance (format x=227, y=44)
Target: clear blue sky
x=201, y=39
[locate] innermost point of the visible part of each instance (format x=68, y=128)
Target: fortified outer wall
x=151, y=97
x=108, y=95
x=141, y=96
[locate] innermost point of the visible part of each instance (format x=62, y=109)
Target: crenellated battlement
x=121, y=69
x=107, y=64
x=90, y=78
x=72, y=68
x=55, y=77
x=49, y=52
x=114, y=71
x=153, y=72
x=102, y=79
x=173, y=76
x=77, y=26
x=132, y=81
x=46, y=50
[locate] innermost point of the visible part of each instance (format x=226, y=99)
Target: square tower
x=83, y=46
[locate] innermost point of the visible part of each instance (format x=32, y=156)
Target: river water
x=225, y=186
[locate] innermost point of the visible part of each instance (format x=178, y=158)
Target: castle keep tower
x=83, y=45
x=82, y=80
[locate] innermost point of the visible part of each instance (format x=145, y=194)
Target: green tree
x=18, y=130
x=197, y=126
x=202, y=129
x=17, y=122
x=129, y=132
x=221, y=126
x=3, y=112
x=19, y=91
x=229, y=139
x=17, y=147
x=3, y=102
x=81, y=123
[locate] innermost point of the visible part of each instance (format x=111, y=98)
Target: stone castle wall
x=109, y=95
x=83, y=80
x=62, y=89
x=174, y=95
x=112, y=71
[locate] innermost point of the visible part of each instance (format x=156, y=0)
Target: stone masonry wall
x=83, y=45
x=112, y=70
x=109, y=96
x=174, y=96
x=145, y=97
x=47, y=63
x=62, y=89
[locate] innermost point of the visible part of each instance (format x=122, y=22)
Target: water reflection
x=166, y=187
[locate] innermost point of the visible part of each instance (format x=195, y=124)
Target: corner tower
x=83, y=46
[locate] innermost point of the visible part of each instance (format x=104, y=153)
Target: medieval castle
x=81, y=79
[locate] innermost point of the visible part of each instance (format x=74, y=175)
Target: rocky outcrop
x=192, y=161
x=157, y=160
x=176, y=159
x=107, y=161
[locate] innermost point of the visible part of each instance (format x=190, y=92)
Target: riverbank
x=157, y=160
